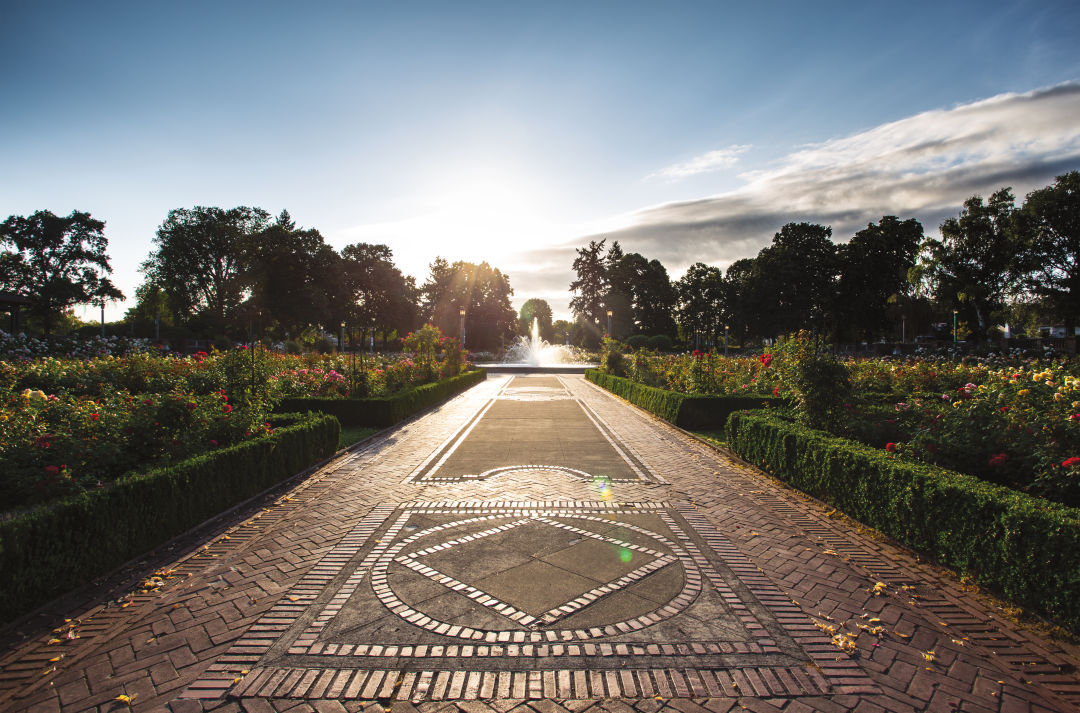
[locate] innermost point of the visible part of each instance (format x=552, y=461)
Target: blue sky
x=514, y=132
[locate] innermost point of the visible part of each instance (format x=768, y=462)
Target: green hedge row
x=387, y=410
x=684, y=410
x=1024, y=547
x=45, y=551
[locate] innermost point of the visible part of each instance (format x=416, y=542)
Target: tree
x=701, y=303
x=1048, y=251
x=797, y=279
x=380, y=297
x=971, y=265
x=590, y=289
x=55, y=262
x=874, y=267
x=541, y=310
x=482, y=291
x=287, y=274
x=202, y=258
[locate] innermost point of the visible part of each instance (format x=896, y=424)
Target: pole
x=609, y=333
x=954, y=326
x=102, y=317
x=462, y=313
x=903, y=328
x=725, y=340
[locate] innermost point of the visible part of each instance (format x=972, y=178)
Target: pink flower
x=213, y=442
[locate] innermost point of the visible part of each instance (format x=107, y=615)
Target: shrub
x=660, y=342
x=1021, y=546
x=44, y=551
x=684, y=410
x=385, y=411
x=817, y=383
x=637, y=341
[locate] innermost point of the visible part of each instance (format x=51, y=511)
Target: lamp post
x=954, y=313
x=726, y=327
x=461, y=313
x=609, y=315
x=341, y=338
x=903, y=328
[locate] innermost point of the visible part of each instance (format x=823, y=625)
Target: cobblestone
x=657, y=574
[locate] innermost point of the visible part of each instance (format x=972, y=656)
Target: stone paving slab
x=705, y=586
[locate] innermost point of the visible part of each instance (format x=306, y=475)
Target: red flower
x=95, y=416
x=226, y=408
x=52, y=469
x=1070, y=462
x=1004, y=409
x=149, y=402
x=696, y=353
x=192, y=405
x=776, y=391
x=213, y=442
x=999, y=459
x=765, y=360
x=1075, y=417
x=891, y=447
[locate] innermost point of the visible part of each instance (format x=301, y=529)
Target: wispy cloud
x=923, y=166
x=705, y=163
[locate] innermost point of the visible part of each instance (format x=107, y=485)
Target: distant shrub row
x=47, y=550
x=1021, y=546
x=384, y=411
x=684, y=410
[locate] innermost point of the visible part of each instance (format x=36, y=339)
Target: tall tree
x=745, y=293
x=482, y=291
x=590, y=289
x=56, y=262
x=1048, y=254
x=874, y=267
x=800, y=270
x=701, y=303
x=380, y=297
x=541, y=311
x=970, y=266
x=286, y=275
x=201, y=260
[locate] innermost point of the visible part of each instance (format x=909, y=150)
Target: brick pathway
x=534, y=544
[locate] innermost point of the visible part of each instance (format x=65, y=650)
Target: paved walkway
x=535, y=544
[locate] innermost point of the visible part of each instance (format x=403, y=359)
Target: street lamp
x=725, y=339
x=341, y=338
x=903, y=328
x=609, y=314
x=461, y=313
x=954, y=312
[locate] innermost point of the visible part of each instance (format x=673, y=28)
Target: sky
x=517, y=132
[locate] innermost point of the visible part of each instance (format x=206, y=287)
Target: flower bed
x=47, y=549
x=1014, y=422
x=1018, y=545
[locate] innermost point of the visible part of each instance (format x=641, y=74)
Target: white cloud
x=923, y=166
x=705, y=163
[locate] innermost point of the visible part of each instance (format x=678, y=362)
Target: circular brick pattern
x=524, y=626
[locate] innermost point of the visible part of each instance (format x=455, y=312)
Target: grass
x=714, y=437
x=354, y=434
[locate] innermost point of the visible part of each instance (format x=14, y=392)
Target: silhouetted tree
x=541, y=310
x=796, y=279
x=56, y=262
x=971, y=265
x=201, y=260
x=1048, y=251
x=590, y=290
x=701, y=303
x=874, y=267
x=483, y=291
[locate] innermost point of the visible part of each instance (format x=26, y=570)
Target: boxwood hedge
x=387, y=410
x=685, y=410
x=1020, y=546
x=44, y=551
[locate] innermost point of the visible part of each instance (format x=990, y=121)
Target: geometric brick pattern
x=923, y=640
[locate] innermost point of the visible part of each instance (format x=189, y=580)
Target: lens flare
x=625, y=555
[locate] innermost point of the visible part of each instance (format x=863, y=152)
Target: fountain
x=533, y=353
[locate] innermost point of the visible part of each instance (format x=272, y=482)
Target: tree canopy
x=56, y=262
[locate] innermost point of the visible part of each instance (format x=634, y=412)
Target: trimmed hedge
x=387, y=410
x=45, y=551
x=684, y=410
x=1021, y=546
